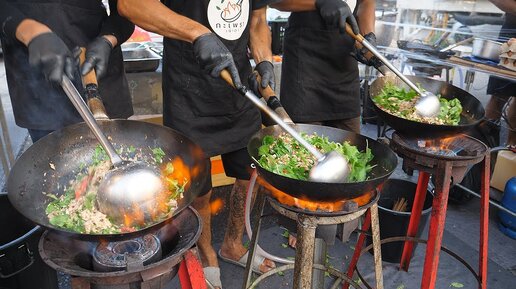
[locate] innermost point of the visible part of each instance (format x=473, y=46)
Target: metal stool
x=306, y=225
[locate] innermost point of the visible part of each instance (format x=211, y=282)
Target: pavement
x=461, y=232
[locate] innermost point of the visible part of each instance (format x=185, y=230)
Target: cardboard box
x=505, y=169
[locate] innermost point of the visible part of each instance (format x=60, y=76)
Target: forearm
x=507, y=6
x=366, y=16
x=295, y=5
x=260, y=36
x=15, y=25
x=116, y=28
x=153, y=16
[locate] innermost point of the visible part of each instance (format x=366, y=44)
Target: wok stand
x=443, y=172
x=306, y=273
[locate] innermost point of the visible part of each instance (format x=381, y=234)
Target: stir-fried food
x=399, y=102
x=284, y=155
x=76, y=209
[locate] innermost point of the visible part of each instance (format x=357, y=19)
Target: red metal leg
x=358, y=248
x=484, y=222
x=415, y=216
x=190, y=273
x=437, y=222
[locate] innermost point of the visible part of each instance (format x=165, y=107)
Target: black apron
x=38, y=104
x=207, y=109
x=319, y=78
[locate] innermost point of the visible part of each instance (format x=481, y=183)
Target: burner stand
x=309, y=245
x=75, y=258
x=445, y=169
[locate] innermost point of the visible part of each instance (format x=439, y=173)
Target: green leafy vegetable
x=399, y=102
x=158, y=155
x=285, y=156
x=456, y=285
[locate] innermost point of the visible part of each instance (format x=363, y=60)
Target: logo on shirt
x=352, y=4
x=228, y=18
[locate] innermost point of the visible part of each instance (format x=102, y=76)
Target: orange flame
x=216, y=206
x=311, y=205
x=444, y=146
x=173, y=172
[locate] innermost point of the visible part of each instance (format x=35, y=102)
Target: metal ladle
x=331, y=167
x=127, y=184
x=428, y=104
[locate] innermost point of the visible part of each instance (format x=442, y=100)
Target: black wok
x=472, y=112
x=384, y=159
x=74, y=145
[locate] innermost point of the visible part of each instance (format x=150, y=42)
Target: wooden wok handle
x=359, y=39
x=227, y=77
x=91, y=77
x=90, y=84
x=272, y=101
x=358, y=44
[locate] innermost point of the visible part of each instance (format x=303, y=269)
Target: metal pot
x=487, y=49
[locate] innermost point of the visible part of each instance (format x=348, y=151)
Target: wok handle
x=269, y=95
x=224, y=74
x=368, y=55
x=89, y=81
x=387, y=63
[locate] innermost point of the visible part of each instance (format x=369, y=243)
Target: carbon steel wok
x=384, y=159
x=74, y=145
x=472, y=110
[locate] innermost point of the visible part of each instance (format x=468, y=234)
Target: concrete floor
x=461, y=233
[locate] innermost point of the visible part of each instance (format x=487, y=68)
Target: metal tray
x=140, y=60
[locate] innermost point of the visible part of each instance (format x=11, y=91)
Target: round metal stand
x=420, y=241
x=306, y=225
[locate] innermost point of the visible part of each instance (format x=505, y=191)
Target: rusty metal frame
x=420, y=241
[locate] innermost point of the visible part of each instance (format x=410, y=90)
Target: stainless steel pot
x=487, y=49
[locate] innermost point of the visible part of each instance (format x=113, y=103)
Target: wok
x=472, y=110
x=384, y=159
x=74, y=145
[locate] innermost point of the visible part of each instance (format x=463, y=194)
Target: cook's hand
x=50, y=54
x=213, y=56
x=97, y=56
x=336, y=13
x=359, y=54
x=265, y=70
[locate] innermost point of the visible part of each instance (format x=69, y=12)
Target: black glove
x=359, y=54
x=213, y=56
x=266, y=71
x=97, y=56
x=336, y=13
x=50, y=54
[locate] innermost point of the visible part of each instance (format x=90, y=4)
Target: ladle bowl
x=131, y=190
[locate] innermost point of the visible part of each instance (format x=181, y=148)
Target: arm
x=153, y=16
x=116, y=29
x=260, y=38
x=366, y=16
x=16, y=26
x=507, y=6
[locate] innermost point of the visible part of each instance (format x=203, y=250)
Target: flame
x=440, y=146
x=216, y=206
x=309, y=205
x=174, y=172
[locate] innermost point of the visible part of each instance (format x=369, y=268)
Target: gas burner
x=344, y=207
x=431, y=154
x=460, y=147
x=143, y=262
x=116, y=256
x=316, y=207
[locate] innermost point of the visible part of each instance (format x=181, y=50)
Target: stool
x=306, y=225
